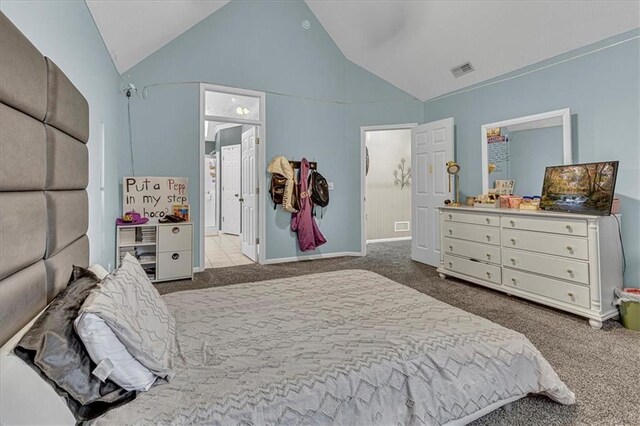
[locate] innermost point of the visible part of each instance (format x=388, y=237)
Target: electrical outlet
x=330, y=185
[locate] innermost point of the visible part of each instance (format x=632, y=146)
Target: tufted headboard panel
x=44, y=128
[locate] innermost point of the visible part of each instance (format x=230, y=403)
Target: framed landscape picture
x=580, y=188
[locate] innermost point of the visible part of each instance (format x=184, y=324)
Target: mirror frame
x=563, y=114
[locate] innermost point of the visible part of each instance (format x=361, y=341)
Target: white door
x=210, y=194
x=431, y=148
x=231, y=189
x=249, y=200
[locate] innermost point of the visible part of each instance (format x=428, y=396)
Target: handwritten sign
x=153, y=196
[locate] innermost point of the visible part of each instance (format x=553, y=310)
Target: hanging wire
x=128, y=93
x=624, y=257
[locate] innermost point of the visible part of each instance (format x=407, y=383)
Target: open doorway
x=386, y=184
x=231, y=127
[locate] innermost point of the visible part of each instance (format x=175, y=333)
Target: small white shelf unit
x=165, y=250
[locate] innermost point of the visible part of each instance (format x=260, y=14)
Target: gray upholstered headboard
x=44, y=128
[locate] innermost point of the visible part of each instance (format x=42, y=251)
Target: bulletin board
x=152, y=196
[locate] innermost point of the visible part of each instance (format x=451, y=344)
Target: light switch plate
x=330, y=185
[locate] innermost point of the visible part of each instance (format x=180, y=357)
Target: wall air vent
x=461, y=70
x=401, y=226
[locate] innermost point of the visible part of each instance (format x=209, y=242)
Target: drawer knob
x=450, y=231
x=513, y=260
x=488, y=237
x=175, y=229
x=488, y=274
x=175, y=256
x=450, y=217
x=488, y=220
x=450, y=248
x=513, y=241
x=570, y=295
x=569, y=228
x=569, y=248
x=514, y=281
x=488, y=255
x=450, y=265
x=512, y=222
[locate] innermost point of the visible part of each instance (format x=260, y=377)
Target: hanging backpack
x=277, y=188
x=319, y=189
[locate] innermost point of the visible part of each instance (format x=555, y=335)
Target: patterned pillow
x=133, y=309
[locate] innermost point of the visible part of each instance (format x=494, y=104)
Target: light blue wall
x=65, y=32
x=316, y=102
x=530, y=151
x=603, y=91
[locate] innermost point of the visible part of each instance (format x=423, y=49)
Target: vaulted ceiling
x=411, y=44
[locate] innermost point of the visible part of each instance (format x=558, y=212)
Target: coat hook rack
x=296, y=165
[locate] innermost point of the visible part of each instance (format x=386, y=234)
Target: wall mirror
x=521, y=148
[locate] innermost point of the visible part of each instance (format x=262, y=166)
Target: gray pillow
x=52, y=348
x=131, y=306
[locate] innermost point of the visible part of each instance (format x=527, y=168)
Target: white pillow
x=101, y=344
x=98, y=270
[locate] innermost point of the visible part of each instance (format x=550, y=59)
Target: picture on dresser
x=580, y=188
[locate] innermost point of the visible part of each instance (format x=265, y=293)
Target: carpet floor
x=602, y=366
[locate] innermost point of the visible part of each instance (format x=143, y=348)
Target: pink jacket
x=303, y=222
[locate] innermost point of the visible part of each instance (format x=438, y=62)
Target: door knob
x=241, y=200
x=236, y=195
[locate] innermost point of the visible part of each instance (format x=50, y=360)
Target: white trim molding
x=261, y=149
x=563, y=117
x=363, y=176
x=314, y=257
x=389, y=240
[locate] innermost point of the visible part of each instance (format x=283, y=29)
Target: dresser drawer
x=567, y=269
x=175, y=264
x=477, y=233
x=174, y=237
x=476, y=218
x=558, y=290
x=483, y=252
x=473, y=269
x=576, y=248
x=556, y=226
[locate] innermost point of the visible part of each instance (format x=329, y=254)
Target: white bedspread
x=345, y=348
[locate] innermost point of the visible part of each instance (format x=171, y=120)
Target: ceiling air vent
x=461, y=70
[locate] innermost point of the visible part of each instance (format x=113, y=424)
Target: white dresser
x=163, y=249
x=568, y=261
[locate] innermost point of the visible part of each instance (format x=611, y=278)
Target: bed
x=346, y=347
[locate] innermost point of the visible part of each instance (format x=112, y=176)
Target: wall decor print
x=402, y=174
x=153, y=197
x=580, y=188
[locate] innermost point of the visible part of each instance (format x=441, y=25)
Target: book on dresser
x=568, y=261
x=163, y=249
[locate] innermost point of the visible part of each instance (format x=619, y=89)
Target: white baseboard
x=387, y=240
x=198, y=269
x=313, y=257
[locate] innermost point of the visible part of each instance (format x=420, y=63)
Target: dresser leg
x=441, y=275
x=595, y=324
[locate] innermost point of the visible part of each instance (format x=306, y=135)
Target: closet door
x=249, y=200
x=231, y=189
x=431, y=148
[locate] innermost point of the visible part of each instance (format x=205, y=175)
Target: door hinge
x=223, y=218
x=257, y=240
x=257, y=190
x=257, y=141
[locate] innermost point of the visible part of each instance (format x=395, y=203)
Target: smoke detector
x=461, y=70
